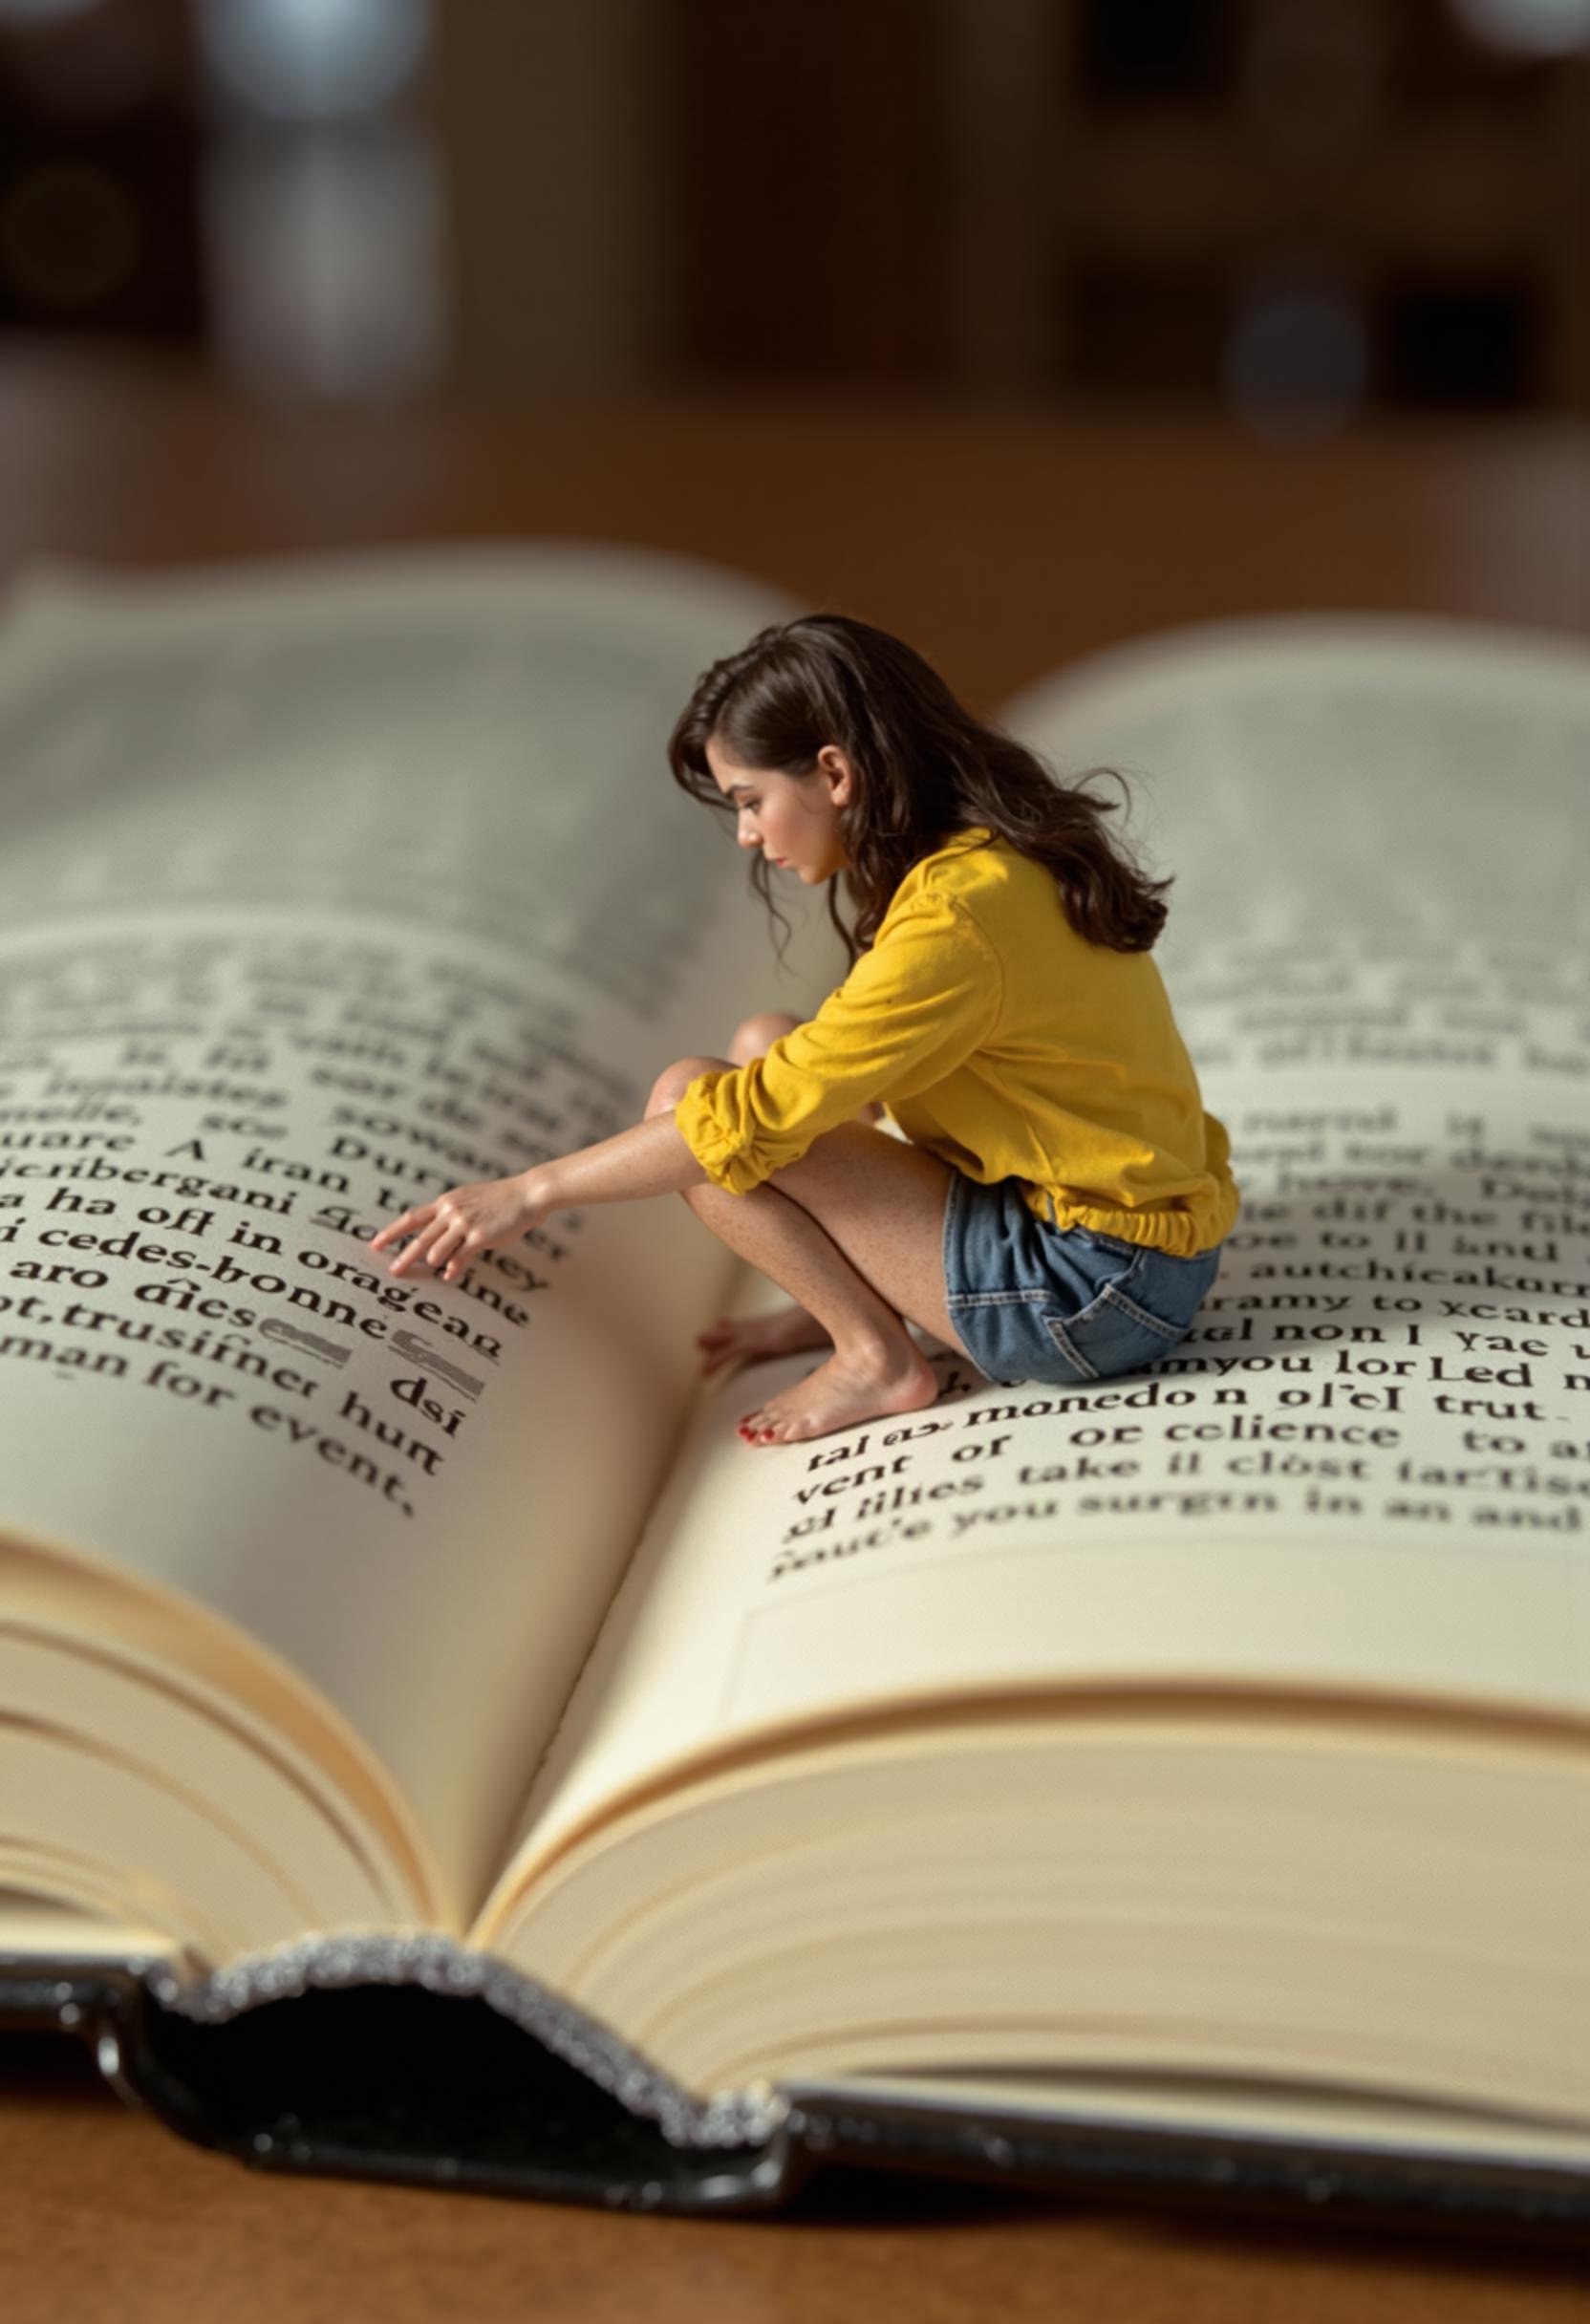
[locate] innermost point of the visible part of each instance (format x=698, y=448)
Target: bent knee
x=675, y=1079
x=756, y=1035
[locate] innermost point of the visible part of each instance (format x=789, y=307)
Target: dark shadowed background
x=1016, y=326
x=1300, y=212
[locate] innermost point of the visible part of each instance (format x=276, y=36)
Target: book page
x=325, y=890
x=1368, y=1466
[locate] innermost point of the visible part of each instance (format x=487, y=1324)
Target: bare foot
x=750, y=1336
x=837, y=1394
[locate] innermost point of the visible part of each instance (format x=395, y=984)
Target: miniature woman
x=1055, y=1203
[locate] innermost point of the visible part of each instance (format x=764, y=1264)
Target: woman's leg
x=788, y=1330
x=755, y=1036
x=854, y=1232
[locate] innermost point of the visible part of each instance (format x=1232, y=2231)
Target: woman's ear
x=837, y=767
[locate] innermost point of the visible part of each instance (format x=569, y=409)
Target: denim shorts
x=1036, y=1301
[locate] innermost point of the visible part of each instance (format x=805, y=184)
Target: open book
x=433, y=1745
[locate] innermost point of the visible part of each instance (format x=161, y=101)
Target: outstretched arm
x=651, y=1158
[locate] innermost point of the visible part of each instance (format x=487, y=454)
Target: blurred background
x=1016, y=326
x=1300, y=212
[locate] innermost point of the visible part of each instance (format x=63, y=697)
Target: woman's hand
x=450, y=1231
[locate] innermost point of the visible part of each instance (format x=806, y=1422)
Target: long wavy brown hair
x=924, y=768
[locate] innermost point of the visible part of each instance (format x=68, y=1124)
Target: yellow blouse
x=1001, y=1040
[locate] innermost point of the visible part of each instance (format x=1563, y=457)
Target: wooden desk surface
x=1001, y=542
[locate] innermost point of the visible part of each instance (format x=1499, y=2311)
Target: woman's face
x=792, y=819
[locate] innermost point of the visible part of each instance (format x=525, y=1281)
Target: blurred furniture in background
x=1303, y=209
x=1314, y=204
x=1306, y=212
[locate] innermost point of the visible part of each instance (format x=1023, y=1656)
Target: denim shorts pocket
x=1137, y=1315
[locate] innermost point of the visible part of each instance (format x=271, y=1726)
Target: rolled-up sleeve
x=913, y=1008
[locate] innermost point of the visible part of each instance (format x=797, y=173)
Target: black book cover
x=403, y=2078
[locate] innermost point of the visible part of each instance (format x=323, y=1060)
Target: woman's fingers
x=442, y=1239
x=437, y=1246
x=457, y=1226
x=416, y=1222
x=449, y=1252
x=419, y=1223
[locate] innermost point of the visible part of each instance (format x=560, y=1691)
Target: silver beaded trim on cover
x=742, y=2118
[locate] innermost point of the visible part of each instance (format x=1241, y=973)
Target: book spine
x=411, y=2084
x=411, y=2061
x=1321, y=2181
